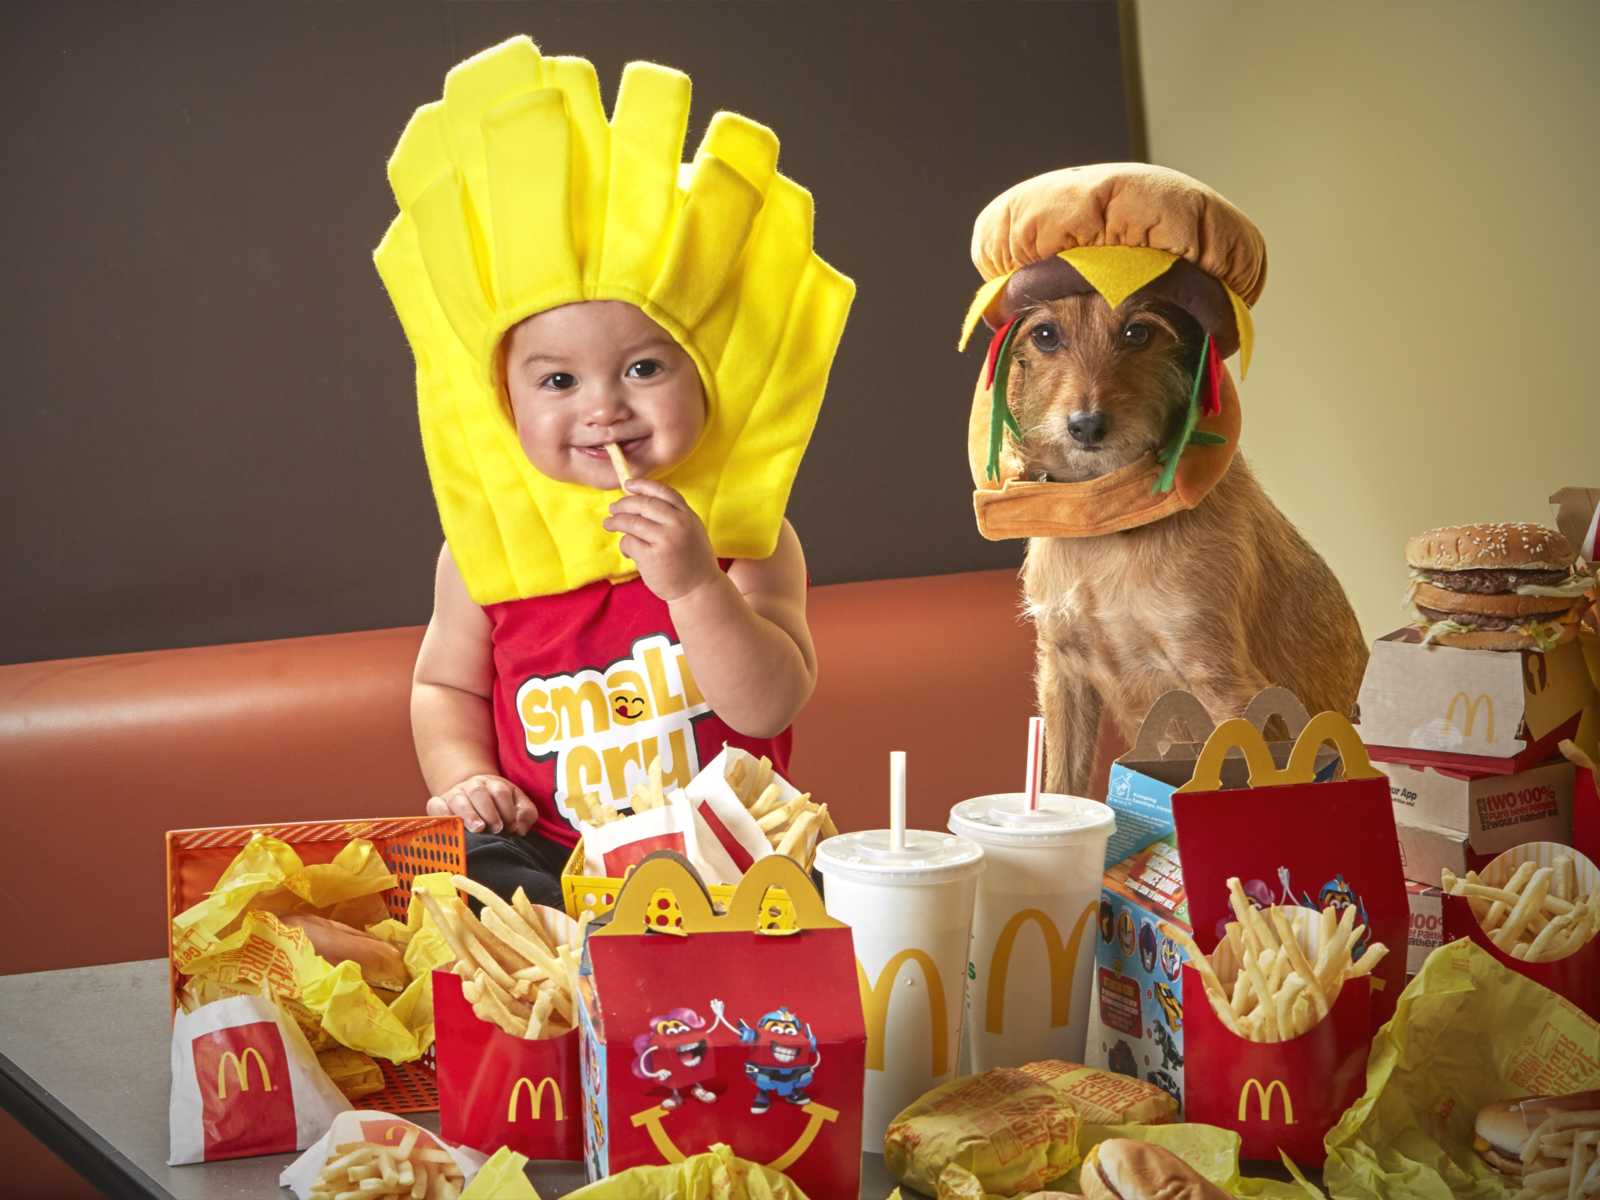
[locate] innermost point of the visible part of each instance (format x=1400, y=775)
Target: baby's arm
x=451, y=719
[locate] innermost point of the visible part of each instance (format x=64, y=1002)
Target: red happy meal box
x=743, y=1028
x=1307, y=845
x=497, y=1090
x=1576, y=976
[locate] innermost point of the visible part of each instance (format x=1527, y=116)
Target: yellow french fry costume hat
x=516, y=195
x=1119, y=230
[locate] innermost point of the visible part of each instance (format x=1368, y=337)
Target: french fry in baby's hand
x=516, y=971
x=1536, y=915
x=1261, y=981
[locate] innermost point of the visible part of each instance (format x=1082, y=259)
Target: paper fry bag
x=244, y=1082
x=724, y=815
x=378, y=1128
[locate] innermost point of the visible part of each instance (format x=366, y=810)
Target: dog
x=1222, y=600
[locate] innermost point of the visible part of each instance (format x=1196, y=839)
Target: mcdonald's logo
x=1063, y=959
x=1469, y=712
x=241, y=1071
x=875, y=1007
x=535, y=1099
x=1264, y=1100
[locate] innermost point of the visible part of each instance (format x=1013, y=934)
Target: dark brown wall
x=208, y=431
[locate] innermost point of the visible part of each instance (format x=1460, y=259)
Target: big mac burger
x=1496, y=586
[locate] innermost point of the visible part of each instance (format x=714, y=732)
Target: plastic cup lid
x=1001, y=820
x=929, y=857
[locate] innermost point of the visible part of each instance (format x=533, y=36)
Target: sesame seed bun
x=1518, y=546
x=1124, y=1169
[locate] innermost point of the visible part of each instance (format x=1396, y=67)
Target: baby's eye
x=560, y=381
x=644, y=369
x=1136, y=334
x=1047, y=337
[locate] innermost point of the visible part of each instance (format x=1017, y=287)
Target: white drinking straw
x=1035, y=761
x=897, y=799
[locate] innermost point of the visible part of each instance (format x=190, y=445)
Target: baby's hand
x=486, y=802
x=664, y=537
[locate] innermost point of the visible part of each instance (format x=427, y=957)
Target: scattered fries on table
x=794, y=827
x=1537, y=914
x=1263, y=982
x=1562, y=1157
x=515, y=972
x=368, y=1171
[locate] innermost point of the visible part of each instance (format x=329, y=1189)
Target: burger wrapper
x=232, y=943
x=503, y=1177
x=1468, y=1032
x=718, y=1174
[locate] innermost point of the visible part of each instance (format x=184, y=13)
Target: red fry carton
x=1575, y=977
x=744, y=1028
x=1586, y=813
x=497, y=1090
x=1293, y=841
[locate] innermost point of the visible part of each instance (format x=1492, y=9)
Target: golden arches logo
x=875, y=1007
x=1063, y=959
x=241, y=1071
x=535, y=1099
x=817, y=1116
x=1264, y=1099
x=1470, y=706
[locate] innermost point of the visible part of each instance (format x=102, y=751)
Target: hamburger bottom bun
x=1124, y=1169
x=1502, y=1127
x=382, y=966
x=1490, y=546
x=1503, y=639
x=1492, y=604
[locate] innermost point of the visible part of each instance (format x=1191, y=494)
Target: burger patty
x=1489, y=582
x=1485, y=621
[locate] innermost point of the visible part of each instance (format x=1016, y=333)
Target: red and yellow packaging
x=1303, y=843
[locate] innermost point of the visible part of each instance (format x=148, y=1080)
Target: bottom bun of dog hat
x=517, y=195
x=1118, y=230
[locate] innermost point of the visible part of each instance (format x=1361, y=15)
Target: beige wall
x=1428, y=181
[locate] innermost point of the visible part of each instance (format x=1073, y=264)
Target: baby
x=582, y=307
x=580, y=377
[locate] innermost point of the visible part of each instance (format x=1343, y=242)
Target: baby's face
x=582, y=375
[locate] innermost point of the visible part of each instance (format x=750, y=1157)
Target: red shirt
x=589, y=687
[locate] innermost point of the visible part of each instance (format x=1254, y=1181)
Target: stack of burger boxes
x=1469, y=738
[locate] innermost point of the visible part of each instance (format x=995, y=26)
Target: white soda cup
x=910, y=916
x=1033, y=926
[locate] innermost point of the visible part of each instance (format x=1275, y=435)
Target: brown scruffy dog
x=1223, y=599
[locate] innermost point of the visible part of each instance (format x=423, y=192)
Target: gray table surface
x=94, y=1044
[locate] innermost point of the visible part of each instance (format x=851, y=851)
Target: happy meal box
x=1533, y=894
x=1297, y=847
x=744, y=1028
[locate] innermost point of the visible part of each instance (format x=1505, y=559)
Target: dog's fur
x=1223, y=599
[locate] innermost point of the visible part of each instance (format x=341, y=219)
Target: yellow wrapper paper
x=718, y=1174
x=501, y=1178
x=1467, y=1032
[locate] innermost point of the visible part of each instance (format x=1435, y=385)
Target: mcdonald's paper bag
x=498, y=1090
x=1467, y=1032
x=378, y=1129
x=244, y=1082
x=1575, y=976
x=741, y=1027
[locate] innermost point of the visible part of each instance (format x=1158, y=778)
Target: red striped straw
x=1035, y=761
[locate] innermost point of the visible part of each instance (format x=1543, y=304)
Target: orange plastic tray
x=410, y=846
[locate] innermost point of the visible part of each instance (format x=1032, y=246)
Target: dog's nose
x=1087, y=428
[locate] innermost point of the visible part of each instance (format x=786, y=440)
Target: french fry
x=767, y=801
x=619, y=463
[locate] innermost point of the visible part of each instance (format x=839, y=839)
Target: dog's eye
x=1136, y=334
x=1047, y=337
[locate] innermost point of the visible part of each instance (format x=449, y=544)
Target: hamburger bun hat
x=1116, y=230
x=516, y=194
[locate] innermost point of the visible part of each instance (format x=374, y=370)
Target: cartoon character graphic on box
x=1107, y=922
x=1171, y=1007
x=1171, y=1056
x=1147, y=946
x=1125, y=931
x=676, y=1054
x=783, y=1058
x=1165, y=1082
x=1171, y=961
x=1122, y=1061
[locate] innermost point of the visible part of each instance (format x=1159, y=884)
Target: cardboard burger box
x=1488, y=711
x=1138, y=1027
x=1460, y=822
x=743, y=1027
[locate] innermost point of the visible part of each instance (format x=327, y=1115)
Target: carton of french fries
x=505, y=1023
x=376, y=1156
x=1280, y=1021
x=1536, y=909
x=731, y=815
